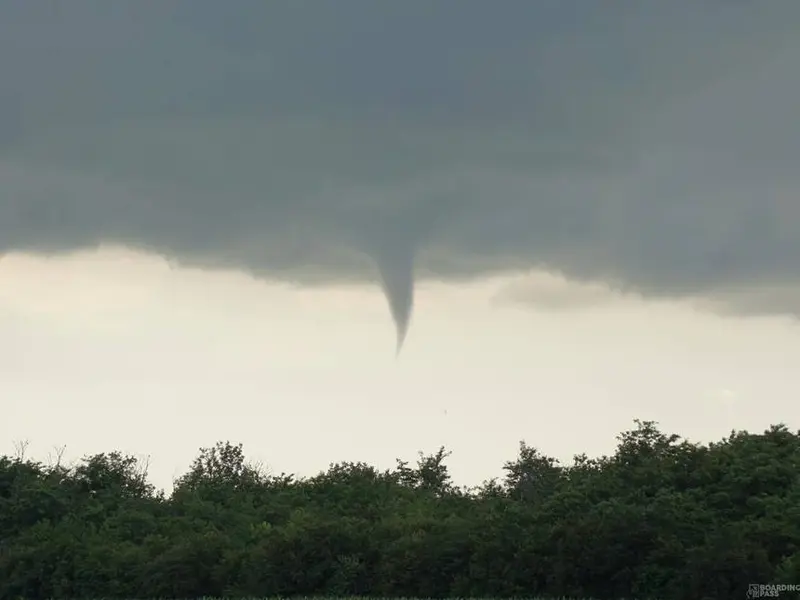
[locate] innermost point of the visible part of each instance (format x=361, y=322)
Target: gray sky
x=200, y=201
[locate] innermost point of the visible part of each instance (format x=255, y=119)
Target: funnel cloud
x=651, y=147
x=397, y=280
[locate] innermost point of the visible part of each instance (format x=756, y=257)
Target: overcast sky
x=588, y=213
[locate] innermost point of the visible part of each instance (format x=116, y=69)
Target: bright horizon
x=135, y=356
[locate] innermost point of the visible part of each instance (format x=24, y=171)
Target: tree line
x=660, y=518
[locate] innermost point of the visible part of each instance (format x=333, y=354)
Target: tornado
x=396, y=268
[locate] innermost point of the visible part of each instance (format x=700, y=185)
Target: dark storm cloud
x=650, y=145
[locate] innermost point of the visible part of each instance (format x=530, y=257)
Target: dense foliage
x=661, y=518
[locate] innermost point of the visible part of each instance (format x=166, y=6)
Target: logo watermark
x=767, y=590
